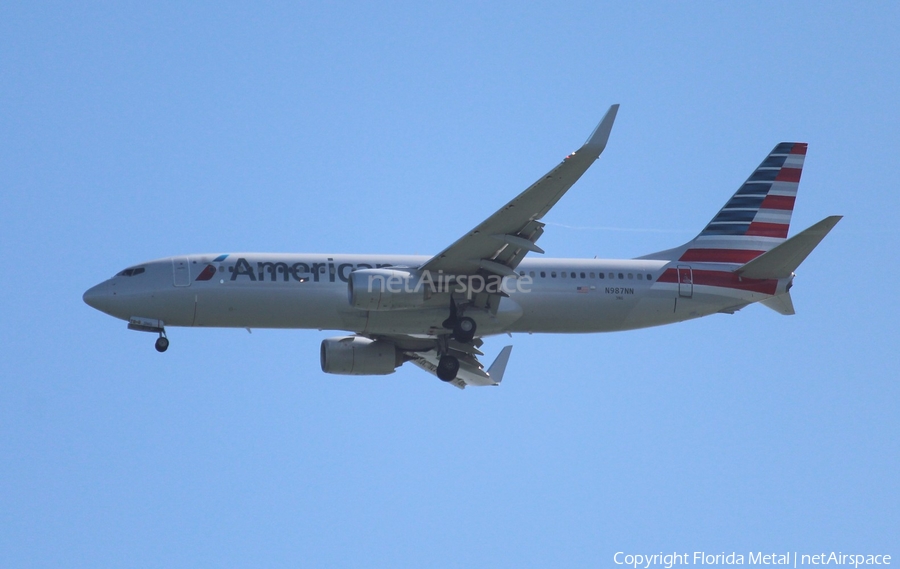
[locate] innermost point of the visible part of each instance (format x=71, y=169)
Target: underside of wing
x=471, y=371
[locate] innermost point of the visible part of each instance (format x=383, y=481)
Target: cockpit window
x=131, y=272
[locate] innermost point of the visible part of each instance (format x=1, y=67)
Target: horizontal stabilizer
x=781, y=261
x=782, y=304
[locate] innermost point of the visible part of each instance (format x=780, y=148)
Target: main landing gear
x=448, y=367
x=463, y=331
x=463, y=327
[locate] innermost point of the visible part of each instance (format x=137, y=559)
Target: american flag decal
x=583, y=289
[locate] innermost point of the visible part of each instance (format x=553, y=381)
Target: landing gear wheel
x=447, y=368
x=464, y=331
x=162, y=344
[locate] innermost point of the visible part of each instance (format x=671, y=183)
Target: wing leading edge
x=499, y=243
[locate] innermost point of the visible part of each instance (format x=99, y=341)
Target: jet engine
x=387, y=289
x=355, y=355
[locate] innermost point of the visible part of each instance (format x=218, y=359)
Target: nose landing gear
x=151, y=325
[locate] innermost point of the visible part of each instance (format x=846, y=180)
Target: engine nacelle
x=387, y=289
x=355, y=355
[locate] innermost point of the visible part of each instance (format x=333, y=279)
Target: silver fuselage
x=253, y=290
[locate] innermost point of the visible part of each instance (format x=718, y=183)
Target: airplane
x=435, y=311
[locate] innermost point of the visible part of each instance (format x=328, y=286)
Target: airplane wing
x=471, y=371
x=500, y=242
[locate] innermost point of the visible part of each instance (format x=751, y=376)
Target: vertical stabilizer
x=755, y=219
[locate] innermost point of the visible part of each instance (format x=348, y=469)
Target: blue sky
x=130, y=132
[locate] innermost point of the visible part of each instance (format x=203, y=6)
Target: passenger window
x=563, y=274
x=621, y=276
x=553, y=274
x=573, y=274
x=630, y=276
x=543, y=274
x=601, y=275
x=592, y=275
x=640, y=276
x=531, y=274
x=612, y=275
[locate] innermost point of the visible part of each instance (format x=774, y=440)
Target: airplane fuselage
x=254, y=290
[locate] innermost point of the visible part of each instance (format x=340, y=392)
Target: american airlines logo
x=287, y=272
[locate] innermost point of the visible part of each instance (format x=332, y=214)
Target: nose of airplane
x=97, y=296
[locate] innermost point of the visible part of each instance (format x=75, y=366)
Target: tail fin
x=755, y=219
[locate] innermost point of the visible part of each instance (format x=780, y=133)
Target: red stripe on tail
x=760, y=229
x=778, y=202
x=788, y=175
x=720, y=255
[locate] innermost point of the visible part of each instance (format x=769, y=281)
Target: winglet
x=498, y=368
x=597, y=141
